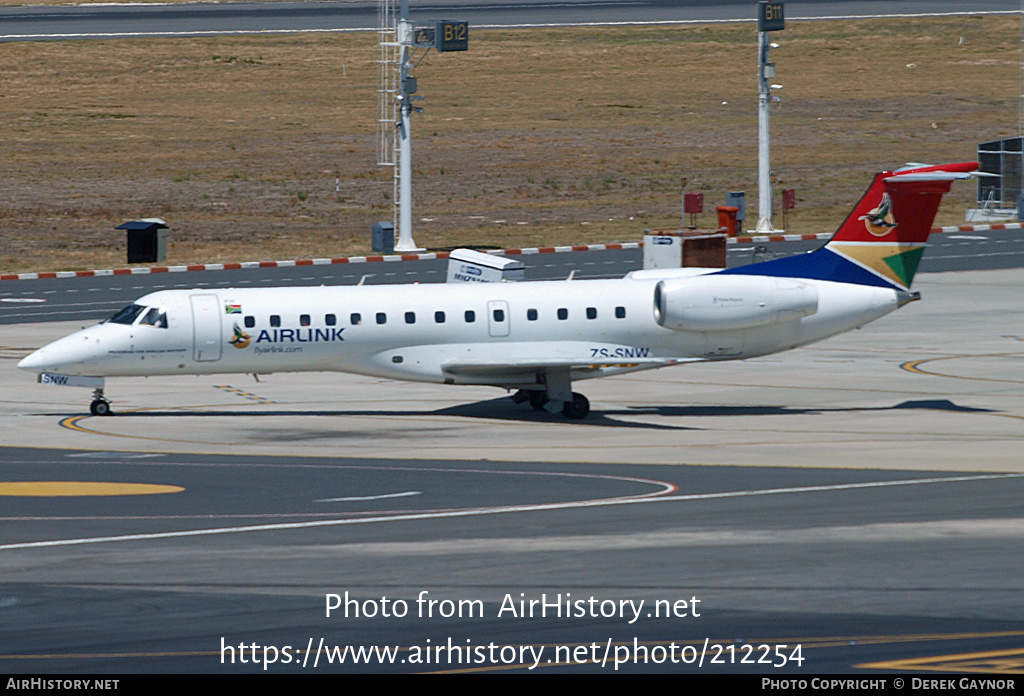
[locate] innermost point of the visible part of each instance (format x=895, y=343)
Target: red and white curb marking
x=143, y=270
x=745, y=239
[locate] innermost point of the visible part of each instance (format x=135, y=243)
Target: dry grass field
x=531, y=137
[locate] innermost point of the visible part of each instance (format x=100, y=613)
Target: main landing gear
x=555, y=396
x=99, y=406
x=578, y=408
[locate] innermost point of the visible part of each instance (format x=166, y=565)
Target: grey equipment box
x=468, y=266
x=383, y=237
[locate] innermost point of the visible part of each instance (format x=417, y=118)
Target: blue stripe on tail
x=821, y=264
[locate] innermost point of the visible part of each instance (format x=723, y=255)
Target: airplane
x=536, y=338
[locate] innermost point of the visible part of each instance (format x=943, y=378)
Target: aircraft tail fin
x=887, y=231
x=882, y=240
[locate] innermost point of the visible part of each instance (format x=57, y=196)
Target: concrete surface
x=845, y=402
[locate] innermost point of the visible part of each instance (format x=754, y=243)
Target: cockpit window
x=128, y=315
x=155, y=317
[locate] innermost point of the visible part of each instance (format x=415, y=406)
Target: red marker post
x=788, y=203
x=693, y=203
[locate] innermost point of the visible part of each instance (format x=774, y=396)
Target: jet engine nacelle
x=726, y=302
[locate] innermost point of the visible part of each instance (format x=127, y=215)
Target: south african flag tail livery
x=882, y=240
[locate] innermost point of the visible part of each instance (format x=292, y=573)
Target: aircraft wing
x=514, y=366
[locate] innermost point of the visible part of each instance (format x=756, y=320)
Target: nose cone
x=69, y=355
x=34, y=362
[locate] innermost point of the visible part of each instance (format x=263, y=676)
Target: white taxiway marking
x=113, y=455
x=22, y=300
x=368, y=497
x=658, y=497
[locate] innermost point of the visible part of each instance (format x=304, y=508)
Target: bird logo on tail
x=880, y=221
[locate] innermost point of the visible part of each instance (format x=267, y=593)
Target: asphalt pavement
x=98, y=21
x=96, y=298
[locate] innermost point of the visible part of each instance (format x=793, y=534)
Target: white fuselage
x=502, y=334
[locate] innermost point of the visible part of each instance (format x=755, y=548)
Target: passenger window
x=439, y=317
x=470, y=316
x=620, y=312
x=356, y=319
x=250, y=322
x=591, y=312
x=382, y=318
x=330, y=319
x=531, y=314
x=304, y=320
x=275, y=320
x=499, y=315
x=410, y=317
x=563, y=313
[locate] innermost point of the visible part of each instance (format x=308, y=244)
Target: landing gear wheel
x=578, y=408
x=538, y=399
x=100, y=407
x=520, y=396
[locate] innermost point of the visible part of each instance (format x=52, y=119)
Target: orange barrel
x=727, y=219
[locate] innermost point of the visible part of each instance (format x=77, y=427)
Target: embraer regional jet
x=532, y=337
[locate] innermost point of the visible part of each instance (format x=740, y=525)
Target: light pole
x=407, y=87
x=769, y=18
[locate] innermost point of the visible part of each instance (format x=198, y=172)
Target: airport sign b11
x=770, y=16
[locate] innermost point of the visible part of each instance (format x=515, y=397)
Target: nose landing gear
x=99, y=406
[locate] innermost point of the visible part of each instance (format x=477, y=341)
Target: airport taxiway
x=935, y=385
x=860, y=497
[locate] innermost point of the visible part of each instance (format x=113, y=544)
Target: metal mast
x=396, y=94
x=395, y=97
x=387, y=94
x=764, y=168
x=769, y=18
x=407, y=87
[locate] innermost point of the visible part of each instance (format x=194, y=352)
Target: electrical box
x=788, y=199
x=423, y=37
x=147, y=240
x=693, y=203
x=382, y=237
x=684, y=250
x=739, y=200
x=663, y=251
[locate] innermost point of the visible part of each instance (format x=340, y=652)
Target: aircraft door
x=207, y=342
x=497, y=318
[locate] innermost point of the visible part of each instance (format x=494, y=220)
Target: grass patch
x=263, y=147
